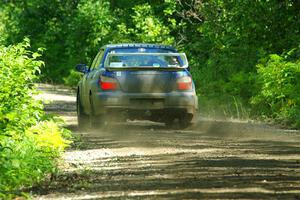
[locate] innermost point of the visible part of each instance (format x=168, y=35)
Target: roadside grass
x=229, y=108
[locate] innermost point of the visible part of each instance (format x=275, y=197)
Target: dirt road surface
x=144, y=160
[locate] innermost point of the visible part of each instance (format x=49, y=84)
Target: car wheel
x=96, y=121
x=82, y=118
x=179, y=123
x=185, y=121
x=170, y=123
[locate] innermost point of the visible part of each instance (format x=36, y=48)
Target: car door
x=86, y=87
x=91, y=80
x=95, y=73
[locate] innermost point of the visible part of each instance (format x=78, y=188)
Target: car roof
x=138, y=45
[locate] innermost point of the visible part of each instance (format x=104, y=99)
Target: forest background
x=244, y=55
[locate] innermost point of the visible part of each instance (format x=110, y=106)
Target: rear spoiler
x=117, y=61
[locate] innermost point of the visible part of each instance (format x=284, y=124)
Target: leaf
x=15, y=163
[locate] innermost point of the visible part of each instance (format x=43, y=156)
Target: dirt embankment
x=137, y=160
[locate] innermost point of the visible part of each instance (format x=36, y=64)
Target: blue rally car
x=136, y=81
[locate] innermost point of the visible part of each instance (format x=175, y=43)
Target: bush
x=279, y=79
x=18, y=69
x=48, y=137
x=73, y=78
x=25, y=162
x=29, y=145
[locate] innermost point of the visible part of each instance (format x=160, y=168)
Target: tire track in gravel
x=144, y=160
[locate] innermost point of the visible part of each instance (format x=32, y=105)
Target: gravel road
x=144, y=160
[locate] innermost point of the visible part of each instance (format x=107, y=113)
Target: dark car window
x=173, y=60
x=141, y=50
x=97, y=60
x=94, y=62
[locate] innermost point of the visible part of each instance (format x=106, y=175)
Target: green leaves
x=224, y=40
x=18, y=70
x=24, y=157
x=148, y=27
x=279, y=96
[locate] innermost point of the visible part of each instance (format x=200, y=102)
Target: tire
x=183, y=124
x=185, y=121
x=170, y=123
x=82, y=118
x=179, y=123
x=95, y=121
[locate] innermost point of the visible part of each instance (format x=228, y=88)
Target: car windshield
x=136, y=60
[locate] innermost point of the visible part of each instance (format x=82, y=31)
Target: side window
x=94, y=62
x=99, y=59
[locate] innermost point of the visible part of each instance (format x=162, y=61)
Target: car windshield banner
x=146, y=60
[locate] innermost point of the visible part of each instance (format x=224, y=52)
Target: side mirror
x=81, y=68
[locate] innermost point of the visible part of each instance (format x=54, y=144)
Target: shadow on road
x=212, y=160
x=140, y=160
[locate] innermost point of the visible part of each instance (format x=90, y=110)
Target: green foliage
x=18, y=71
x=29, y=145
x=3, y=25
x=147, y=27
x=25, y=162
x=224, y=39
x=9, y=24
x=73, y=78
x=90, y=28
x=280, y=85
x=48, y=137
x=227, y=41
